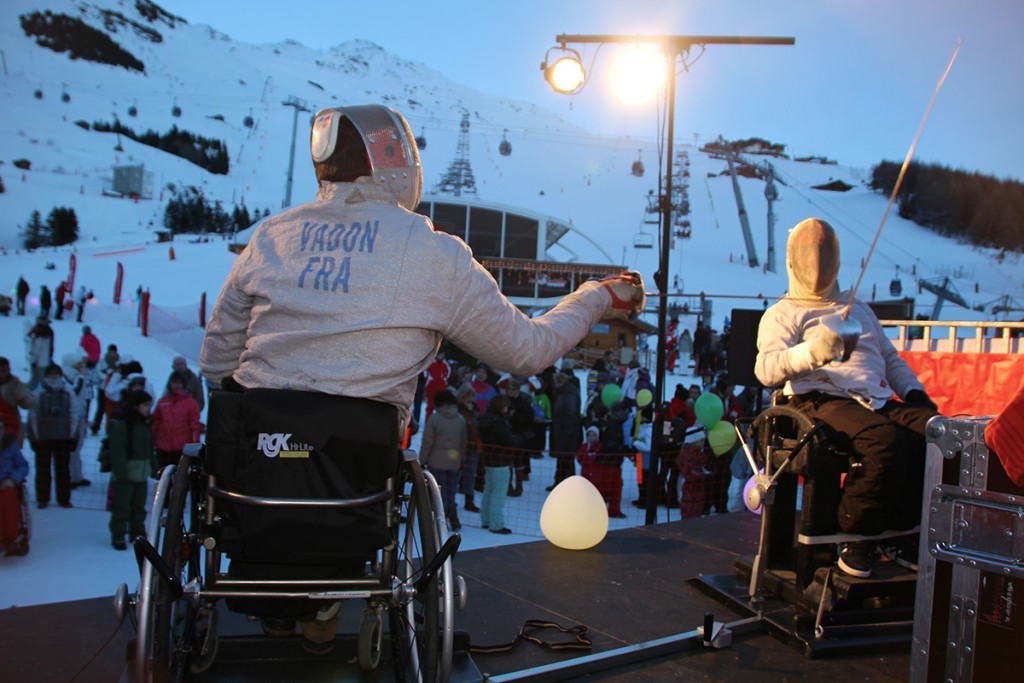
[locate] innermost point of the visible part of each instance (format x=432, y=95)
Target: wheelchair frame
x=411, y=578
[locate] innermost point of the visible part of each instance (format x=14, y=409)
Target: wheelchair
x=311, y=500
x=791, y=581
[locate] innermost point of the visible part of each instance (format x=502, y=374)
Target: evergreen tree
x=34, y=234
x=62, y=225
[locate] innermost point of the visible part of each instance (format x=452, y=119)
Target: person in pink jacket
x=175, y=422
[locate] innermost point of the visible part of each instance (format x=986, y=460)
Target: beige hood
x=812, y=263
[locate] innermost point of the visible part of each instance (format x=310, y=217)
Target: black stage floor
x=630, y=589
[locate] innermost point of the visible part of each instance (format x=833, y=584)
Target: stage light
x=566, y=74
x=574, y=515
x=638, y=73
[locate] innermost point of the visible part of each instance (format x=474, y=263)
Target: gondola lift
x=421, y=139
x=638, y=165
x=248, y=120
x=175, y=110
x=505, y=147
x=133, y=110
x=896, y=285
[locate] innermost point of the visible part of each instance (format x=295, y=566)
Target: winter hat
x=593, y=430
x=70, y=361
x=812, y=263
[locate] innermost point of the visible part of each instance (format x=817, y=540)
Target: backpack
x=54, y=415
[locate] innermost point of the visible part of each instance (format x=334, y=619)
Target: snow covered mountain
x=202, y=81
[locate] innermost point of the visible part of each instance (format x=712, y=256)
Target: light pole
x=674, y=48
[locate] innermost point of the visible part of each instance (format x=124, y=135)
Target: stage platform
x=630, y=589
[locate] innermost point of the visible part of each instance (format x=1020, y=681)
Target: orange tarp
x=968, y=383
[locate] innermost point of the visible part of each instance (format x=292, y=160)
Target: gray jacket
x=444, y=439
x=351, y=294
x=872, y=374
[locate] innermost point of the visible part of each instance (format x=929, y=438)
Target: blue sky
x=854, y=87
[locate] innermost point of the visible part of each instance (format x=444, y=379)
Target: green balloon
x=643, y=397
x=709, y=409
x=610, y=394
x=721, y=437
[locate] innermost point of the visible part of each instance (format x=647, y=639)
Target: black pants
x=59, y=453
x=885, y=491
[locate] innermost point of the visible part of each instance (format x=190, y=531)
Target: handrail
x=976, y=341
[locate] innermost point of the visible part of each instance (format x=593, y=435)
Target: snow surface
x=554, y=168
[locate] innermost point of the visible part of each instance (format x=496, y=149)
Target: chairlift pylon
x=638, y=166
x=505, y=147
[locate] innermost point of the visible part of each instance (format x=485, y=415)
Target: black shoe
x=856, y=559
x=906, y=553
x=514, y=493
x=621, y=515
x=66, y=505
x=119, y=544
x=504, y=531
x=549, y=488
x=469, y=507
x=42, y=505
x=80, y=483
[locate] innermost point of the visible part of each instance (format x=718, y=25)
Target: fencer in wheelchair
x=319, y=334
x=850, y=394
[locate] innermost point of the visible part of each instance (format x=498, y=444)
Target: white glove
x=627, y=293
x=823, y=345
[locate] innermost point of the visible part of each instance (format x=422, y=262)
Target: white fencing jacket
x=351, y=294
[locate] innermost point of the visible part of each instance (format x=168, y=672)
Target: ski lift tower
x=459, y=176
x=748, y=238
x=771, y=193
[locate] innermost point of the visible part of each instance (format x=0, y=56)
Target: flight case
x=969, y=608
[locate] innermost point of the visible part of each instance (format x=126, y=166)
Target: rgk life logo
x=271, y=444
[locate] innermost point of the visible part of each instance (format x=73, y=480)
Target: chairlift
x=38, y=93
x=643, y=240
x=505, y=147
x=248, y=120
x=175, y=110
x=421, y=139
x=64, y=96
x=638, y=165
x=133, y=110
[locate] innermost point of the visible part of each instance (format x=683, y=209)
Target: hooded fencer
x=871, y=400
x=352, y=293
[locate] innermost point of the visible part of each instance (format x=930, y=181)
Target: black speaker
x=743, y=346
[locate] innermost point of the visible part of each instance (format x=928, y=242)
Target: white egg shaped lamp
x=574, y=515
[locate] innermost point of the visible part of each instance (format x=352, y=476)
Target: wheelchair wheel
x=421, y=648
x=174, y=632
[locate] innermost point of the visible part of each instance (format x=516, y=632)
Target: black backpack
x=54, y=415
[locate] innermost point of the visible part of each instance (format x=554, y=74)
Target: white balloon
x=574, y=515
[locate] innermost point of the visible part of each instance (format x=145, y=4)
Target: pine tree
x=62, y=225
x=34, y=234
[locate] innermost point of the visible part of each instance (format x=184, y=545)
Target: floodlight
x=638, y=73
x=566, y=74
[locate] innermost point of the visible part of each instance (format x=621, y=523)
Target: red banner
x=968, y=383
x=72, y=263
x=118, y=282
x=144, y=313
